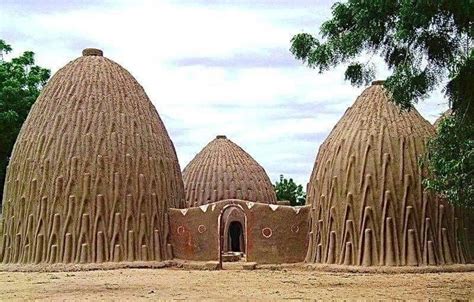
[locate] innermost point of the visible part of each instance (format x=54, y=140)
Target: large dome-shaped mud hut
x=92, y=173
x=223, y=170
x=366, y=193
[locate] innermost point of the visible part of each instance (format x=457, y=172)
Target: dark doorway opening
x=236, y=236
x=232, y=234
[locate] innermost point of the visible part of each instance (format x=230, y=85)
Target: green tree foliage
x=287, y=189
x=423, y=43
x=451, y=161
x=20, y=84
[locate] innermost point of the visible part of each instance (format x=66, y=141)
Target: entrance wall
x=275, y=234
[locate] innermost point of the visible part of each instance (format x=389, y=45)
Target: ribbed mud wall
x=92, y=173
x=223, y=170
x=368, y=203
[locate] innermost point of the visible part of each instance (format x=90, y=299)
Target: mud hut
x=223, y=170
x=368, y=203
x=92, y=173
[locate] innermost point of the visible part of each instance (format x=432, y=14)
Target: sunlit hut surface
x=92, y=173
x=223, y=170
x=368, y=203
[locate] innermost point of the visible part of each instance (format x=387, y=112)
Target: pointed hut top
x=92, y=52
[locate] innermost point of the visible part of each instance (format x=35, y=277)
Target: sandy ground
x=178, y=284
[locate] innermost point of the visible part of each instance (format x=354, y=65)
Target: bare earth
x=172, y=283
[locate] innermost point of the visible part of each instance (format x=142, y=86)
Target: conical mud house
x=368, y=206
x=223, y=170
x=92, y=173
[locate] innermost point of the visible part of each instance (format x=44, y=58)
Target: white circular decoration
x=267, y=232
x=201, y=228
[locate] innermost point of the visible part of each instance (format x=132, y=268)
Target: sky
x=210, y=68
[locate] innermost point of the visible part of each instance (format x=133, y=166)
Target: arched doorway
x=235, y=235
x=232, y=233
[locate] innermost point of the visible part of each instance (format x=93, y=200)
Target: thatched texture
x=223, y=170
x=368, y=202
x=92, y=173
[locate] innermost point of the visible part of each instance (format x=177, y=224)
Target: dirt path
x=243, y=285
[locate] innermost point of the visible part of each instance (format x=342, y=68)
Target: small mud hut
x=223, y=170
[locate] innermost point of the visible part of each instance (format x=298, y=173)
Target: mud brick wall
x=274, y=234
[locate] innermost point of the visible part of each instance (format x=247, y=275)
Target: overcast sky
x=210, y=67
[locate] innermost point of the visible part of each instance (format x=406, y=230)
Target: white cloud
x=209, y=67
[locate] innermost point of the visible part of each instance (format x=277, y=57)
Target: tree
x=451, y=161
x=422, y=42
x=20, y=84
x=288, y=190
